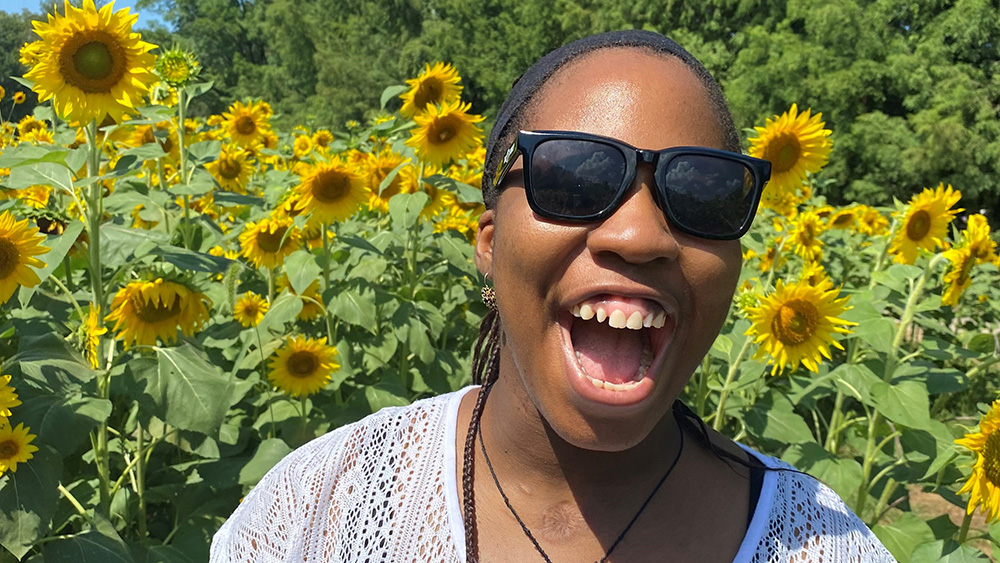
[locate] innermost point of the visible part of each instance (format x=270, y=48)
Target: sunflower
x=785, y=204
x=8, y=398
x=19, y=244
x=302, y=146
x=91, y=63
x=794, y=143
x=19, y=98
x=15, y=447
x=146, y=310
x=322, y=138
x=377, y=169
x=813, y=273
x=925, y=223
x=976, y=236
x=250, y=309
x=984, y=483
x=310, y=298
x=36, y=197
x=445, y=133
x=92, y=330
x=246, y=125
x=796, y=324
x=269, y=241
x=162, y=133
x=29, y=125
x=232, y=169
x=303, y=366
x=457, y=219
x=333, y=191
x=843, y=219
x=959, y=277
x=437, y=85
x=870, y=221
x=805, y=236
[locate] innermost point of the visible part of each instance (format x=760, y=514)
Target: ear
x=484, y=242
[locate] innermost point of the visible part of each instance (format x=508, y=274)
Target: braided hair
x=514, y=113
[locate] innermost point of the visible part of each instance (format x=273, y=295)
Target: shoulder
x=306, y=490
x=807, y=519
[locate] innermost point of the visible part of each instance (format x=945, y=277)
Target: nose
x=637, y=231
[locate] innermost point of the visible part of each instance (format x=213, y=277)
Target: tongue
x=608, y=354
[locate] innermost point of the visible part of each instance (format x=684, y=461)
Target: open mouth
x=616, y=339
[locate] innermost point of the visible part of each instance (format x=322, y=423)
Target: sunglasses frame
x=527, y=141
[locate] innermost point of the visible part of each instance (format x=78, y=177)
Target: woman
x=613, y=271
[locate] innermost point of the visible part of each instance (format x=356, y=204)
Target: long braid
x=485, y=370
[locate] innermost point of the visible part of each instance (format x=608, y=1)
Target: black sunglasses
x=578, y=177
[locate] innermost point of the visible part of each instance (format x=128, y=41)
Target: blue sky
x=145, y=17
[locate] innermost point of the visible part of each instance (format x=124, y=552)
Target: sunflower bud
x=176, y=67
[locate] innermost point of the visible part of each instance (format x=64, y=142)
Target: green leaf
x=192, y=261
x=773, y=418
x=283, y=310
x=946, y=551
x=159, y=554
x=369, y=268
x=148, y=151
x=28, y=500
x=404, y=209
x=119, y=242
x=51, y=364
x=101, y=545
x=723, y=346
x=205, y=151
x=903, y=402
x=855, y=380
x=465, y=192
x=27, y=154
x=379, y=398
x=457, y=250
x=387, y=181
x=58, y=245
x=198, y=88
x=903, y=535
x=843, y=475
x=43, y=173
x=63, y=422
x=419, y=342
x=224, y=198
x=357, y=308
x=391, y=92
x=983, y=343
x=201, y=182
x=268, y=454
x=189, y=391
x=302, y=270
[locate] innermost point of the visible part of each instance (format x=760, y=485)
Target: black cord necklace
x=527, y=532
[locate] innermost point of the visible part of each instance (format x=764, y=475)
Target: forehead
x=647, y=100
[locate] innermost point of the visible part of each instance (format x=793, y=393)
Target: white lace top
x=384, y=490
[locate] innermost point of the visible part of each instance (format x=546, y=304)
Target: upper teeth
x=616, y=317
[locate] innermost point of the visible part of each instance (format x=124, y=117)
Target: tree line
x=910, y=88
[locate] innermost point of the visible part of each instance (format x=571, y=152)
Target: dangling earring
x=489, y=298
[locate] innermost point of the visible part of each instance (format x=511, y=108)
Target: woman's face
x=598, y=386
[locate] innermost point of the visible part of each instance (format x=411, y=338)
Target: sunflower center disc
x=795, y=322
x=229, y=168
x=8, y=449
x=429, y=93
x=332, y=187
x=93, y=60
x=154, y=312
x=918, y=226
x=271, y=242
x=302, y=364
x=9, y=257
x=991, y=458
x=784, y=152
x=245, y=125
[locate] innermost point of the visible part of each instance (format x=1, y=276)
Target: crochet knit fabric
x=384, y=490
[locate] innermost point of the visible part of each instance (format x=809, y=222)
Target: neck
x=526, y=450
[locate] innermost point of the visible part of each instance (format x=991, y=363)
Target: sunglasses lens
x=575, y=178
x=710, y=195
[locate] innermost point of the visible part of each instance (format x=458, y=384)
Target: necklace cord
x=524, y=527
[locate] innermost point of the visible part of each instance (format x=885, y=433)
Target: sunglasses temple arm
x=510, y=157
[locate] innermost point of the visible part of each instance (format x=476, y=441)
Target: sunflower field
x=186, y=299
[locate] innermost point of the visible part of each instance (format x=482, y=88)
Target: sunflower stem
x=140, y=479
x=326, y=258
x=963, y=532
x=833, y=433
x=72, y=500
x=270, y=398
x=270, y=285
x=703, y=376
x=95, y=212
x=720, y=415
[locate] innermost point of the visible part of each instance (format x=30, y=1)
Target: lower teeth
x=644, y=361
